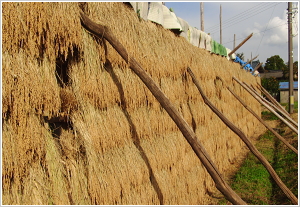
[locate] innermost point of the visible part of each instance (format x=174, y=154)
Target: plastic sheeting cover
x=170, y=19
x=183, y=34
x=184, y=25
x=140, y=8
x=241, y=62
x=156, y=12
x=194, y=36
x=208, y=41
x=202, y=40
x=233, y=56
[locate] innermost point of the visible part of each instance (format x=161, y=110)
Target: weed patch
x=253, y=182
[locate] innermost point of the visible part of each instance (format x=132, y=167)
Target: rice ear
x=117, y=145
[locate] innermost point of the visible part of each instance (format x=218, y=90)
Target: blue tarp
x=241, y=62
x=285, y=85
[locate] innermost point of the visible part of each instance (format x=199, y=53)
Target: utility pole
x=234, y=41
x=290, y=40
x=202, y=16
x=220, y=23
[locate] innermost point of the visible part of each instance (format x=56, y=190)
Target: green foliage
x=295, y=67
x=267, y=115
x=139, y=14
x=275, y=63
x=286, y=166
x=253, y=182
x=286, y=70
x=271, y=85
x=288, y=106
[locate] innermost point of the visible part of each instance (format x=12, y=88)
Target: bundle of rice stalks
x=79, y=127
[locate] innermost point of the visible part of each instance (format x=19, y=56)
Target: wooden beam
x=266, y=105
x=263, y=122
x=249, y=61
x=252, y=148
x=273, y=100
x=243, y=42
x=289, y=118
x=104, y=32
x=256, y=68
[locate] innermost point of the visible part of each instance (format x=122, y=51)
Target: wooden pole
x=263, y=122
x=291, y=74
x=256, y=68
x=249, y=61
x=272, y=105
x=234, y=41
x=221, y=24
x=266, y=105
x=245, y=40
x=268, y=95
x=276, y=105
x=104, y=32
x=252, y=148
x=202, y=15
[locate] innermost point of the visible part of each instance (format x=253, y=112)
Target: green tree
x=261, y=69
x=286, y=71
x=275, y=63
x=271, y=85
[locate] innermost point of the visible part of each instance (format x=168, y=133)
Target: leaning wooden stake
x=279, y=107
x=270, y=97
x=240, y=45
x=256, y=68
x=263, y=122
x=272, y=106
x=266, y=105
x=252, y=148
x=249, y=61
x=287, y=116
x=104, y=32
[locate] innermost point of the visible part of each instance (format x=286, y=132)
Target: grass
x=295, y=106
x=268, y=115
x=253, y=182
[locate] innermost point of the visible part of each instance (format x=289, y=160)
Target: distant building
x=284, y=91
x=272, y=73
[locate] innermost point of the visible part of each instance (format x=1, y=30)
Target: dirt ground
x=278, y=124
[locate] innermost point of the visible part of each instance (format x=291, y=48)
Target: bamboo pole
x=256, y=68
x=263, y=122
x=252, y=148
x=104, y=32
x=266, y=105
x=271, y=105
x=249, y=61
x=279, y=109
x=273, y=100
x=262, y=98
x=269, y=96
x=243, y=42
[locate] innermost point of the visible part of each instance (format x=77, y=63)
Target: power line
x=244, y=16
x=258, y=32
x=265, y=30
x=231, y=20
x=235, y=16
x=240, y=20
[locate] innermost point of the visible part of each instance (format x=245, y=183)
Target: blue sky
x=267, y=20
